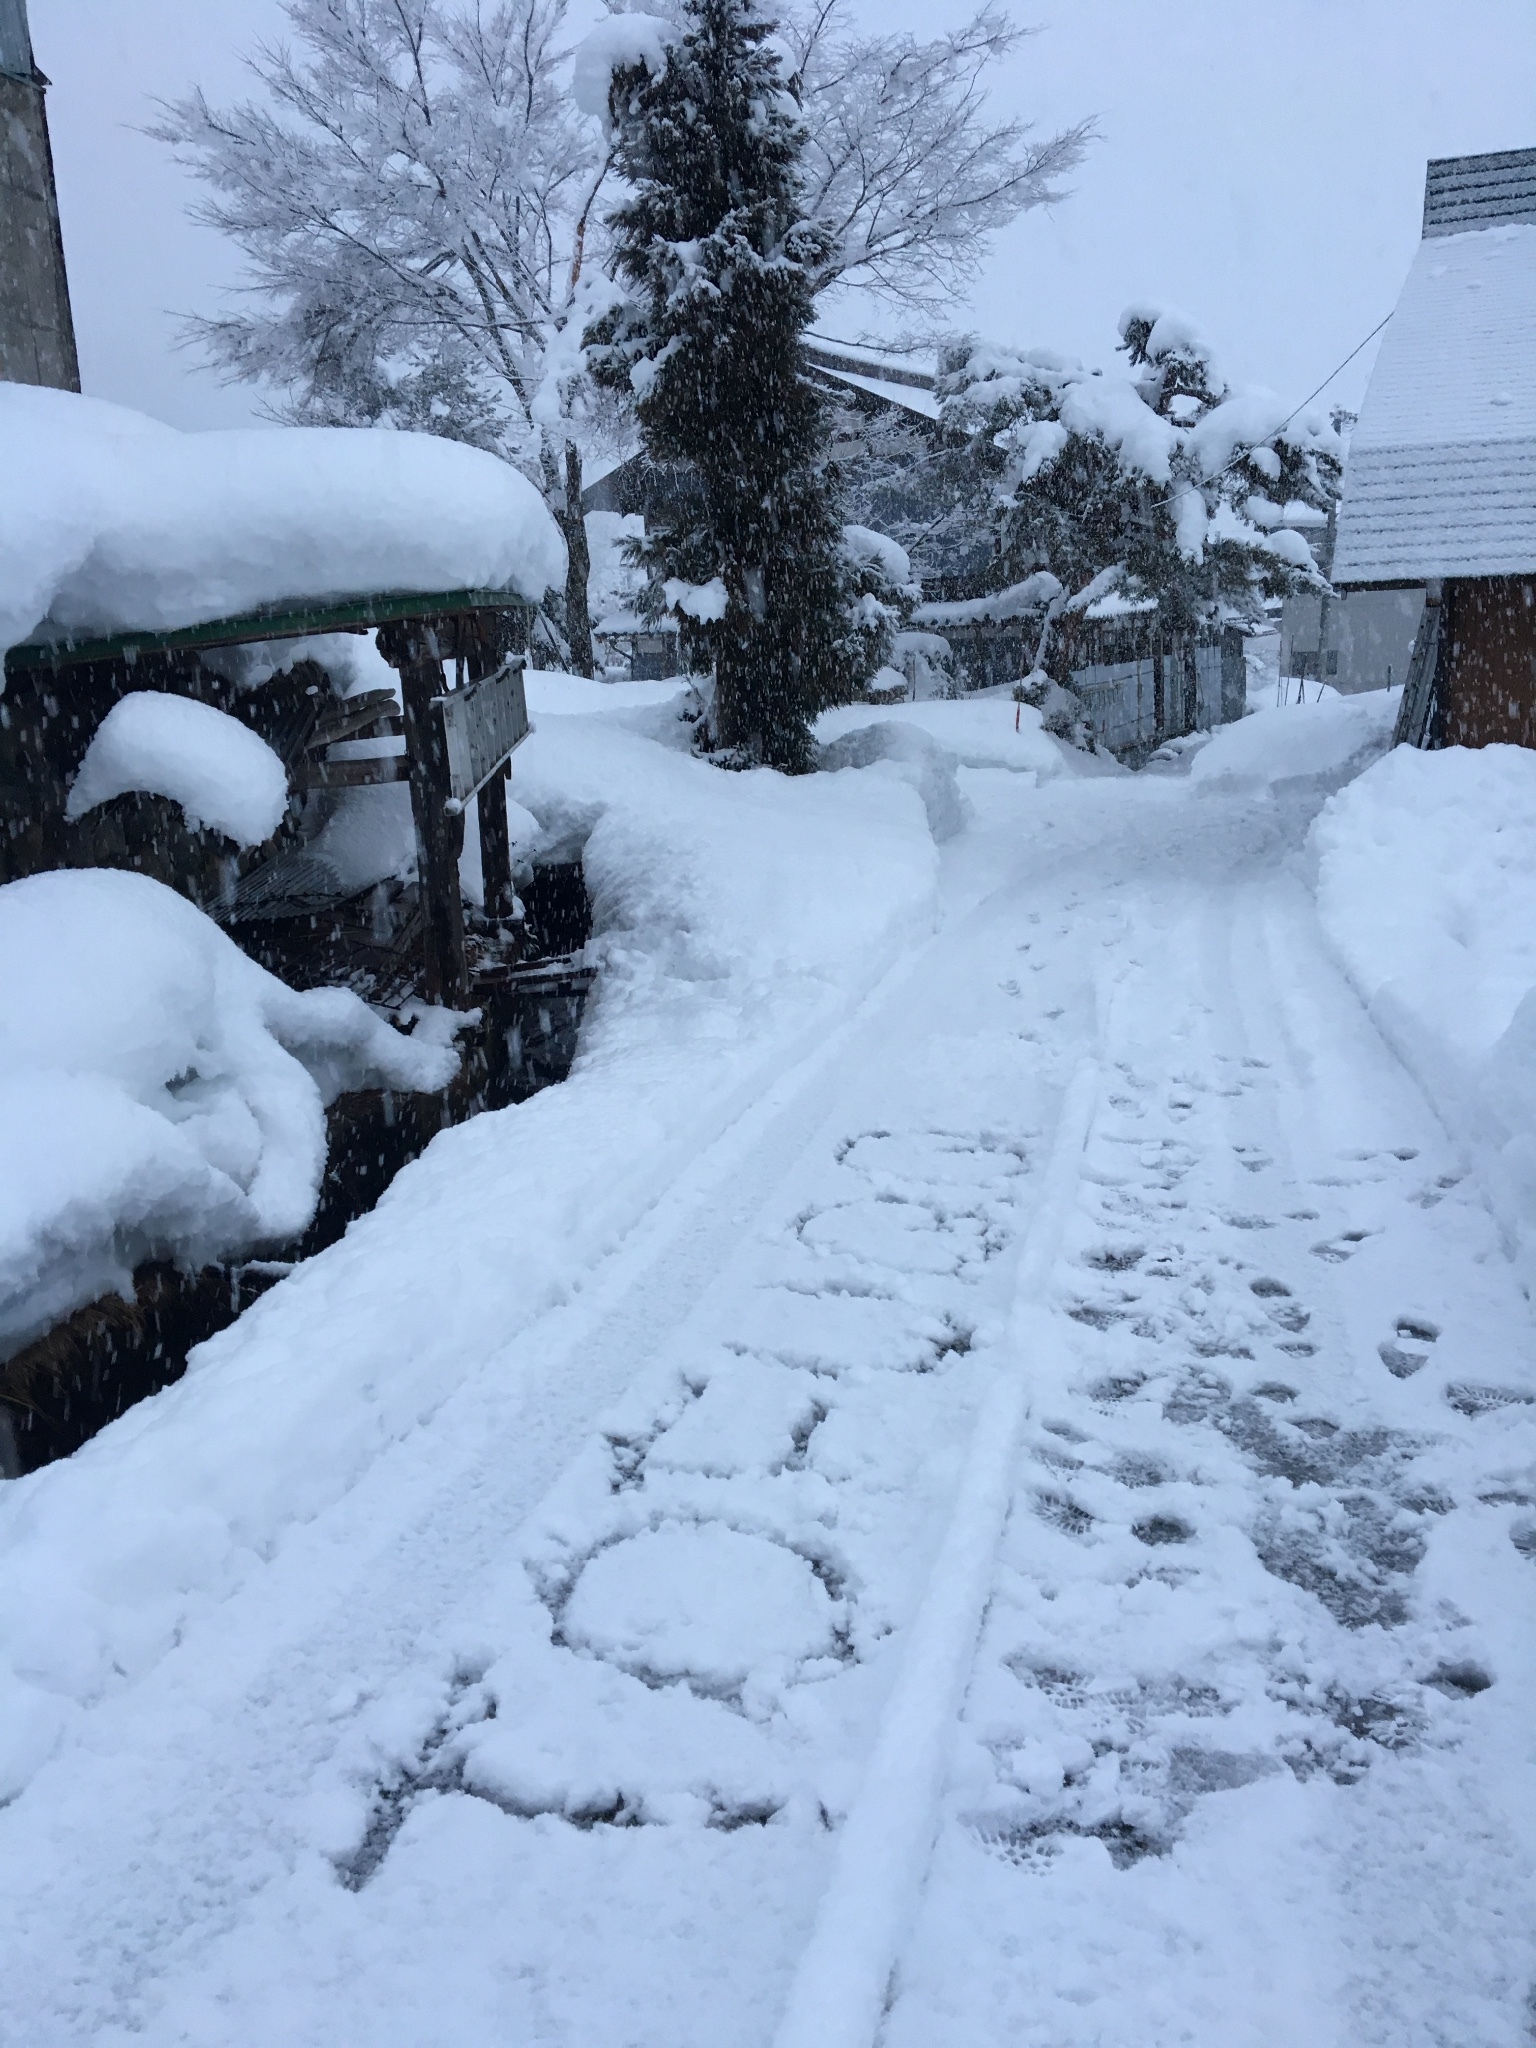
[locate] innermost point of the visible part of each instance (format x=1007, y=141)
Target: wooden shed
x=1440, y=485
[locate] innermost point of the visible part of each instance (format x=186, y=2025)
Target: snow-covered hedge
x=110, y=521
x=1425, y=868
x=161, y=1096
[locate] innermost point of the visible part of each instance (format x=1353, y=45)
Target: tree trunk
x=578, y=621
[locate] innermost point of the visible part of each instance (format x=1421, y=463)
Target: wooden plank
x=482, y=724
x=364, y=774
x=411, y=649
x=291, y=619
x=374, y=713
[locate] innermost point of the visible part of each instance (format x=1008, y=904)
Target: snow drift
x=1319, y=744
x=1424, y=888
x=112, y=522
x=161, y=1096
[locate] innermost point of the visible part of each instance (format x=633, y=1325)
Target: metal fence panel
x=1121, y=697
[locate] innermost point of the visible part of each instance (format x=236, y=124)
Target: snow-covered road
x=1013, y=1547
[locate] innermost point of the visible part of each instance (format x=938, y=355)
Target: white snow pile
x=1425, y=891
x=986, y=729
x=911, y=755
x=161, y=1096
x=1320, y=743
x=112, y=522
x=219, y=771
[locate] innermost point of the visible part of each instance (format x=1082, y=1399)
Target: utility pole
x=37, y=329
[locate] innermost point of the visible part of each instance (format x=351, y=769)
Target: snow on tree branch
x=902, y=164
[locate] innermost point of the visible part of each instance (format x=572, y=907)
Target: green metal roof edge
x=292, y=619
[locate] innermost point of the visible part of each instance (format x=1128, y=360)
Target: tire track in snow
x=840, y=1988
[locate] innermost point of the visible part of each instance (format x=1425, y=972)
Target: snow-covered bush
x=1159, y=481
x=161, y=1095
x=881, y=595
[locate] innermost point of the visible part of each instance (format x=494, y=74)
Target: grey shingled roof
x=1441, y=477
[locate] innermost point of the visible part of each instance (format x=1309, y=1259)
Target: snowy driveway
x=1031, y=1505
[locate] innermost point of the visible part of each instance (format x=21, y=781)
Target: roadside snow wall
x=161, y=1096
x=1425, y=889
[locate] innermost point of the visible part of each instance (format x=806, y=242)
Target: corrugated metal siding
x=1464, y=192
x=1121, y=697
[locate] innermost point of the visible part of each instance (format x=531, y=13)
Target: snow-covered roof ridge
x=1441, y=477
x=111, y=522
x=1463, y=192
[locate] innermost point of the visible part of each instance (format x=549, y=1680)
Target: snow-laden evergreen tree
x=720, y=265
x=1162, y=482
x=416, y=193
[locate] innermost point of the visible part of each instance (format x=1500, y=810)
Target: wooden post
x=483, y=654
x=496, y=847
x=411, y=648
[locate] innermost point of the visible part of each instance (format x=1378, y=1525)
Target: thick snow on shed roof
x=1441, y=478
x=111, y=522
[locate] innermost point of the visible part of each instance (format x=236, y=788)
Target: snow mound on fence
x=112, y=522
x=980, y=731
x=1319, y=743
x=161, y=1096
x=1424, y=888
x=219, y=771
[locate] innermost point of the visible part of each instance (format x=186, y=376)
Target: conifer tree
x=719, y=268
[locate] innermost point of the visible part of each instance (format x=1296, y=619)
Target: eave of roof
x=290, y=620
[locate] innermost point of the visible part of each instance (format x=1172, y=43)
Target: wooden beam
x=483, y=655
x=411, y=648
x=290, y=620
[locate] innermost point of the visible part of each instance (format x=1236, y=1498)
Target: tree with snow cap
x=1164, y=483
x=719, y=267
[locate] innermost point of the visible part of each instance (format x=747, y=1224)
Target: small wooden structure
x=450, y=735
x=1440, y=486
x=457, y=745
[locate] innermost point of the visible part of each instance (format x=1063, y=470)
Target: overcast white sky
x=1261, y=168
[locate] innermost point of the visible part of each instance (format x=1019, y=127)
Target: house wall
x=1363, y=643
x=1488, y=686
x=37, y=335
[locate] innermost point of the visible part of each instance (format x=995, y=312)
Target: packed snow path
x=1022, y=1545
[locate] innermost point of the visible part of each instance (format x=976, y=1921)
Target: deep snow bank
x=160, y=1094
x=980, y=731
x=739, y=918
x=111, y=521
x=1425, y=867
x=1320, y=743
